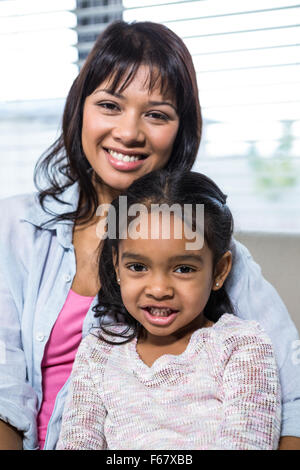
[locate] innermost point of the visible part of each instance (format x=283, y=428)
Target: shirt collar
x=40, y=217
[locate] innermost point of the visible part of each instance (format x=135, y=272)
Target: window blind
x=38, y=65
x=246, y=55
x=92, y=18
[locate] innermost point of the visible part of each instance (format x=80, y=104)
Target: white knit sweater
x=222, y=392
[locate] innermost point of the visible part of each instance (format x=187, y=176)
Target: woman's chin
x=114, y=185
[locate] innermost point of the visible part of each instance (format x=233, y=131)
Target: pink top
x=59, y=355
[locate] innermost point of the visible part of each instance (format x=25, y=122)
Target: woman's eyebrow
x=160, y=103
x=110, y=92
x=119, y=95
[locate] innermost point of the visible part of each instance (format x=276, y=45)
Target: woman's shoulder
x=14, y=211
x=29, y=208
x=18, y=205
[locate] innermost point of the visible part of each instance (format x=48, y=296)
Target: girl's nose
x=129, y=131
x=159, y=289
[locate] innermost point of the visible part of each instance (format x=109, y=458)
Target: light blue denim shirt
x=37, y=267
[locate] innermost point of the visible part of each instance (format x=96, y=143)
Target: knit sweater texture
x=222, y=392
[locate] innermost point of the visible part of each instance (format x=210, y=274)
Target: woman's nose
x=129, y=130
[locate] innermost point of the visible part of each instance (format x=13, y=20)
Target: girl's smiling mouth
x=159, y=315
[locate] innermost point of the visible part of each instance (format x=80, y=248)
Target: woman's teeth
x=122, y=157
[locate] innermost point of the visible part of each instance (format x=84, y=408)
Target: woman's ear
x=222, y=270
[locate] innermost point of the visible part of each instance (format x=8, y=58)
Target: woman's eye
x=136, y=267
x=184, y=270
x=108, y=106
x=159, y=116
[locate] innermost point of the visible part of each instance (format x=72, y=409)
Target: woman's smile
x=128, y=133
x=125, y=160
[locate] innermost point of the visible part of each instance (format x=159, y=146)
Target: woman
x=133, y=109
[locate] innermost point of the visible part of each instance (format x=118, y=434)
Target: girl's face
x=164, y=286
x=126, y=135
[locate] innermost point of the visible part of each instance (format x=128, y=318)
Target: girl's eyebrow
x=128, y=254
x=174, y=259
x=122, y=97
x=186, y=258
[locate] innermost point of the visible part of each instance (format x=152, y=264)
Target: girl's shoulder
x=231, y=333
x=231, y=322
x=93, y=345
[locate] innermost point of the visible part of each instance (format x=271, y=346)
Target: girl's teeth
x=123, y=158
x=159, y=312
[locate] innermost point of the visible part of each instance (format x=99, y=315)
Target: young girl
x=192, y=375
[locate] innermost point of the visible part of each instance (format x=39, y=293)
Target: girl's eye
x=184, y=270
x=136, y=267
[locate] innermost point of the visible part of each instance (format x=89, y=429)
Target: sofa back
x=279, y=258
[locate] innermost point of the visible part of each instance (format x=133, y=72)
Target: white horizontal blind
x=246, y=54
x=92, y=18
x=38, y=65
x=37, y=45
x=247, y=57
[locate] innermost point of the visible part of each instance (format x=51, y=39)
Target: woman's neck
x=105, y=195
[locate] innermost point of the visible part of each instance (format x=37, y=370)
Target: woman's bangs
x=156, y=79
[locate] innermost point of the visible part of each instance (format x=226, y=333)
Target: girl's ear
x=115, y=262
x=222, y=270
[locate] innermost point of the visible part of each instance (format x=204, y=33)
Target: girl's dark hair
x=162, y=187
x=117, y=54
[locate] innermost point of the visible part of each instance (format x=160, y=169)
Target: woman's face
x=130, y=133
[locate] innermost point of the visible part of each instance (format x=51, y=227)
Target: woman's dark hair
x=117, y=54
x=163, y=187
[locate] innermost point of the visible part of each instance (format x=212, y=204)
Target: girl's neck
x=181, y=336
x=153, y=347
